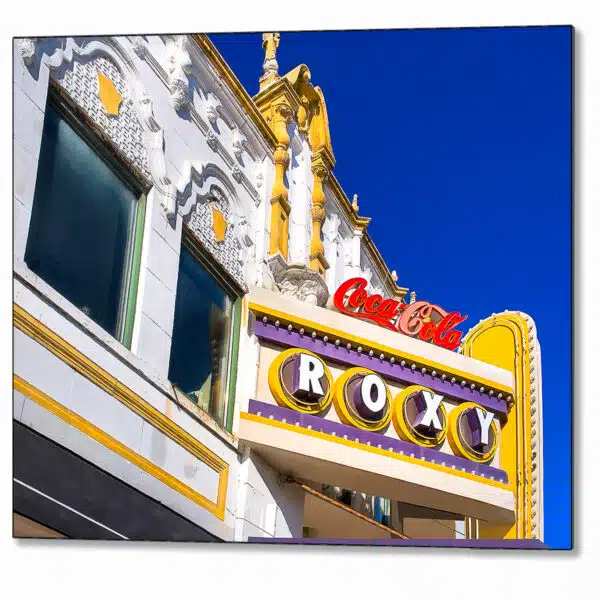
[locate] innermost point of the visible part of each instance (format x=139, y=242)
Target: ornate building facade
x=186, y=366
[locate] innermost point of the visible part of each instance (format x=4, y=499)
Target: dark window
x=82, y=235
x=201, y=336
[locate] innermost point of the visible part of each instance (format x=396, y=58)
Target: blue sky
x=458, y=144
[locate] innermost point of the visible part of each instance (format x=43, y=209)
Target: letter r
x=311, y=370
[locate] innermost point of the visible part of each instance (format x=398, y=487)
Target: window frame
x=191, y=243
x=106, y=150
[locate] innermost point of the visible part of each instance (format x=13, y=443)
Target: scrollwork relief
x=178, y=67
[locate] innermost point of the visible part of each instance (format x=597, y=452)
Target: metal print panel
x=378, y=225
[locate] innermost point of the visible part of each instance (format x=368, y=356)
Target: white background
x=118, y=570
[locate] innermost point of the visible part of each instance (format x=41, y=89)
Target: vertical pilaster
x=318, y=262
x=280, y=206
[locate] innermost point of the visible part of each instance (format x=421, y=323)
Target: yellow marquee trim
x=322, y=329
x=29, y=325
x=521, y=463
x=366, y=448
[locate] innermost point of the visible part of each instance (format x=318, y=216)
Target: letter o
x=362, y=399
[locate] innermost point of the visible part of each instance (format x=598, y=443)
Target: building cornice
x=229, y=78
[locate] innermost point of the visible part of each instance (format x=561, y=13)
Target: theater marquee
x=300, y=380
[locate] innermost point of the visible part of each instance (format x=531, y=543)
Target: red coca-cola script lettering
x=429, y=322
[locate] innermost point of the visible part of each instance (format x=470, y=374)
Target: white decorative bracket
x=213, y=106
x=237, y=173
x=179, y=65
x=138, y=45
x=298, y=281
x=239, y=142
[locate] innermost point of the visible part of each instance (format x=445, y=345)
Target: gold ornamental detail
x=318, y=262
x=280, y=206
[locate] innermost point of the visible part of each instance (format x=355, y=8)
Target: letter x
x=428, y=418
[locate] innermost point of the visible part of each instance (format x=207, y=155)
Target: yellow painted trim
x=520, y=469
x=340, y=400
x=284, y=397
x=117, y=447
x=322, y=329
x=29, y=325
x=404, y=429
x=454, y=437
x=244, y=311
x=366, y=448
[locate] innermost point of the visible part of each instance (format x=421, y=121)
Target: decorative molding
x=240, y=144
x=237, y=173
x=204, y=48
x=179, y=65
x=260, y=176
x=26, y=323
x=153, y=136
x=212, y=140
x=213, y=108
x=298, y=281
x=111, y=48
x=201, y=183
x=223, y=72
x=138, y=45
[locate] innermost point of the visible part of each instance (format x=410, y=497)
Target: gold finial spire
x=270, y=67
x=355, y=203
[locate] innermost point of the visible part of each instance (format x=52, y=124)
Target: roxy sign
x=423, y=320
x=300, y=380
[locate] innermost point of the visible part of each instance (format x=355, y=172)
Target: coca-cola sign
x=422, y=320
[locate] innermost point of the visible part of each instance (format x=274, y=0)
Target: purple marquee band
x=293, y=339
x=375, y=440
x=423, y=543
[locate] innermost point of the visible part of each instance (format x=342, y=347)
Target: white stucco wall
x=209, y=141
